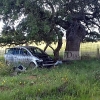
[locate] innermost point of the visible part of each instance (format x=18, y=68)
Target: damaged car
x=28, y=55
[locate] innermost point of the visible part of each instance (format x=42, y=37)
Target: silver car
x=29, y=56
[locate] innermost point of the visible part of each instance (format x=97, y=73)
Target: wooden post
x=97, y=52
x=26, y=44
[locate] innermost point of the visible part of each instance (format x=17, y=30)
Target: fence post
x=97, y=52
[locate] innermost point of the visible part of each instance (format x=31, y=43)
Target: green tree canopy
x=42, y=17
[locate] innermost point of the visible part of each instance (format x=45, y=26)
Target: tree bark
x=73, y=45
x=46, y=46
x=72, y=50
x=75, y=35
x=56, y=51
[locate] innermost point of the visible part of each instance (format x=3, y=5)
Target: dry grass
x=89, y=49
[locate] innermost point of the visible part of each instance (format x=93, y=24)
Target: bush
x=4, y=69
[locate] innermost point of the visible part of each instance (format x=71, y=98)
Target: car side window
x=37, y=51
x=24, y=52
x=16, y=51
x=9, y=51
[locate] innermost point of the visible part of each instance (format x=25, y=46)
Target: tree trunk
x=73, y=45
x=74, y=36
x=72, y=50
x=56, y=51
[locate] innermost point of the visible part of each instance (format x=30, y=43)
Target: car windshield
x=36, y=51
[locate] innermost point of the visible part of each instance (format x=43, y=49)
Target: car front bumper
x=45, y=63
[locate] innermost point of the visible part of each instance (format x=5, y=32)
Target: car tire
x=8, y=63
x=32, y=65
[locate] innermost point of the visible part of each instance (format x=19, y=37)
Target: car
x=28, y=55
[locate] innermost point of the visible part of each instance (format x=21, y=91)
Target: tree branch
x=51, y=48
x=46, y=46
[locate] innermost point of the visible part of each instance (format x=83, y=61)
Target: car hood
x=44, y=57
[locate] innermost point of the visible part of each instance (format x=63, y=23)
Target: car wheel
x=8, y=63
x=32, y=65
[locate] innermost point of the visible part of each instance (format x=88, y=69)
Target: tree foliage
x=41, y=19
x=36, y=25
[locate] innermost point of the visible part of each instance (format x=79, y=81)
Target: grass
x=85, y=48
x=79, y=80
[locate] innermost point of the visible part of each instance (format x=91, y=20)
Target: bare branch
x=46, y=46
x=94, y=23
x=51, y=48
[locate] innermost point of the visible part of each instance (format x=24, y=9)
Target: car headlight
x=39, y=62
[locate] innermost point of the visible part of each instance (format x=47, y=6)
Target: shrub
x=4, y=69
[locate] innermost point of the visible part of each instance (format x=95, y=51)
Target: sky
x=1, y=25
x=16, y=23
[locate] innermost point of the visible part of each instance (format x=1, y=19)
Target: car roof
x=24, y=47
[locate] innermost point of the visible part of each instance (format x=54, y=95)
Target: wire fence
x=87, y=50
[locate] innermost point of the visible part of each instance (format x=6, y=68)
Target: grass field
x=85, y=48
x=79, y=80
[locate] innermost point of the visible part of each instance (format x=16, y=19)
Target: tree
x=80, y=19
x=41, y=20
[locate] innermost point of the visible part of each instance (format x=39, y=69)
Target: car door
x=24, y=56
x=9, y=55
x=16, y=55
